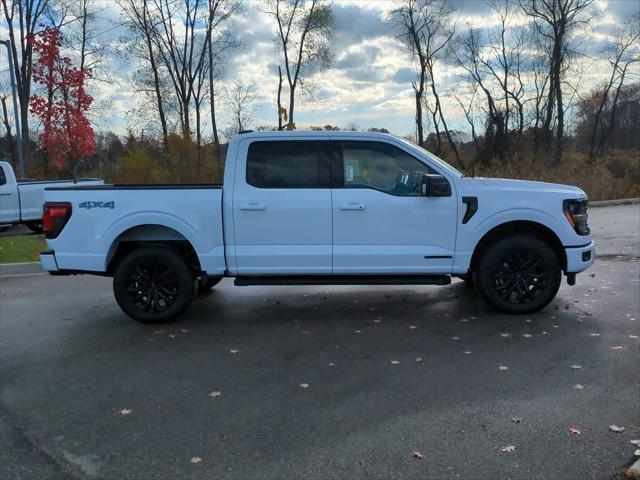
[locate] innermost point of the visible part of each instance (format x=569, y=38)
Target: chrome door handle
x=255, y=206
x=353, y=206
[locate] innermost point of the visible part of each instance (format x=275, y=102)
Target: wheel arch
x=151, y=235
x=518, y=227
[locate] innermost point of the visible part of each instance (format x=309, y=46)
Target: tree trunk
x=280, y=126
x=212, y=98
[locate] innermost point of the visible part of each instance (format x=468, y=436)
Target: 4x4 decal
x=89, y=205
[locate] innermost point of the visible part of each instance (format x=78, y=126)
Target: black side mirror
x=435, y=185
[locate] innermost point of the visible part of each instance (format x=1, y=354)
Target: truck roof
x=312, y=133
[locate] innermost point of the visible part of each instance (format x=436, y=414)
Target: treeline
x=519, y=83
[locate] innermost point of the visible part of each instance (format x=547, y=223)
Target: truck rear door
x=282, y=207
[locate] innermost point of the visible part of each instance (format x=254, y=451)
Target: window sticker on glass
x=349, y=173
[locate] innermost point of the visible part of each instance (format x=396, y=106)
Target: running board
x=344, y=280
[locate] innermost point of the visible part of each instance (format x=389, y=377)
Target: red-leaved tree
x=67, y=137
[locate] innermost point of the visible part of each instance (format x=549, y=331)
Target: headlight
x=575, y=211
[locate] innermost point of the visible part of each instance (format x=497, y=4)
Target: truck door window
x=3, y=177
x=288, y=164
x=383, y=167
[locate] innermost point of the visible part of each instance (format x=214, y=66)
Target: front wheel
x=519, y=274
x=153, y=285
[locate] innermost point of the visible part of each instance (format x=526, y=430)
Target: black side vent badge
x=472, y=208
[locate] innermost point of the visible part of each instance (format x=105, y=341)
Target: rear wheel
x=519, y=274
x=153, y=285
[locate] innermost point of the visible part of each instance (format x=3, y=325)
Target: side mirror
x=435, y=185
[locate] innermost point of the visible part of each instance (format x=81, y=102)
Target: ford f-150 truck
x=314, y=208
x=21, y=201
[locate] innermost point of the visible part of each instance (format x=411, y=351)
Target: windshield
x=431, y=156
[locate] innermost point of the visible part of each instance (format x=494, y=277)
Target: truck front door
x=282, y=207
x=9, y=201
x=382, y=223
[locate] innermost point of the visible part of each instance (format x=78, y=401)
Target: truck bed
x=108, y=214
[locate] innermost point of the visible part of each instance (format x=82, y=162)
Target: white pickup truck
x=21, y=201
x=314, y=208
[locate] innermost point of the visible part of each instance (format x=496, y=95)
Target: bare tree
x=426, y=29
x=23, y=19
x=623, y=53
x=241, y=104
x=555, y=21
x=304, y=29
x=139, y=19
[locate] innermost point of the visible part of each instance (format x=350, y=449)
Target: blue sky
x=369, y=84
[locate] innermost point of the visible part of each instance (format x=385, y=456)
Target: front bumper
x=48, y=261
x=580, y=258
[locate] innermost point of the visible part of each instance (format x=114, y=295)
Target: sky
x=369, y=83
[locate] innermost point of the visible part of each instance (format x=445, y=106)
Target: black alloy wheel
x=153, y=285
x=519, y=274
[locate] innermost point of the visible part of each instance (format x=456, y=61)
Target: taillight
x=55, y=216
x=576, y=213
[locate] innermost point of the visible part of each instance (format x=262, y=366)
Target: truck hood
x=497, y=184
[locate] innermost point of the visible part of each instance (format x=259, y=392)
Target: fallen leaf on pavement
x=159, y=332
x=576, y=367
x=185, y=330
x=125, y=411
x=633, y=336
x=591, y=274
x=464, y=320
x=215, y=393
x=502, y=367
x=615, y=428
x=635, y=442
x=417, y=455
x=637, y=453
x=412, y=327
x=594, y=334
x=575, y=430
x=196, y=459
x=508, y=448
x=357, y=331
x=616, y=347
x=527, y=335
x=456, y=338
x=331, y=364
x=374, y=322
x=467, y=352
x=578, y=387
x=371, y=309
x=304, y=385
x=233, y=350
x=505, y=335
x=394, y=362
x=418, y=359
x=528, y=320
x=516, y=419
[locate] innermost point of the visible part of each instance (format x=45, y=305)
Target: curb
x=612, y=203
x=7, y=269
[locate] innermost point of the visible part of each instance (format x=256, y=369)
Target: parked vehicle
x=306, y=208
x=21, y=201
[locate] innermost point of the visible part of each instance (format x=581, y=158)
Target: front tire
x=153, y=285
x=519, y=274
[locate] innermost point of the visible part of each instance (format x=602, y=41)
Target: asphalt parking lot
x=389, y=371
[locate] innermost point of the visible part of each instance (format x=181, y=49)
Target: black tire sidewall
x=167, y=257
x=497, y=252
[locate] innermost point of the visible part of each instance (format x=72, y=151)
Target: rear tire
x=35, y=227
x=153, y=285
x=519, y=274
